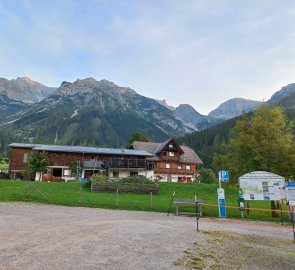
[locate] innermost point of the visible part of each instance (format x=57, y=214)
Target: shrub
x=207, y=176
x=99, y=178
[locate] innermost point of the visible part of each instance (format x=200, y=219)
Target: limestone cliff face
x=25, y=90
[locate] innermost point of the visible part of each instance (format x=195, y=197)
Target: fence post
x=117, y=198
x=27, y=190
x=80, y=193
x=151, y=200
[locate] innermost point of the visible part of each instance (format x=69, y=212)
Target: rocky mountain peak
x=234, y=107
x=25, y=90
x=284, y=92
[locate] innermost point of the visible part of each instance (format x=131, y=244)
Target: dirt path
x=36, y=236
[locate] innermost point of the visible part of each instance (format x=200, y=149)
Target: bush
x=207, y=176
x=99, y=178
x=137, y=180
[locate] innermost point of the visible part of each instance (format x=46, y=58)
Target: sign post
x=241, y=202
x=223, y=177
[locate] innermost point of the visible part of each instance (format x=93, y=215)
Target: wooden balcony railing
x=174, y=171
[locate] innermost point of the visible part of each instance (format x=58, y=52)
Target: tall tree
x=37, y=162
x=263, y=141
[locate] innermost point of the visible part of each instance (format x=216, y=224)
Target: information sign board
x=261, y=185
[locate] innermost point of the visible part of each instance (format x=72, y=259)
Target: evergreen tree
x=137, y=136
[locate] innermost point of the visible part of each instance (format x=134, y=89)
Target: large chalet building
x=115, y=163
x=172, y=162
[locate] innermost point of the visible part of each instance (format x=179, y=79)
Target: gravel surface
x=37, y=236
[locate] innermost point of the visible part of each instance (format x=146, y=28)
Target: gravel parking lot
x=37, y=236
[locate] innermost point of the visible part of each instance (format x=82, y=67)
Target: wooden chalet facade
x=115, y=163
x=173, y=162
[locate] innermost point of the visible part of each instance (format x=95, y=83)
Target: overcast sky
x=197, y=52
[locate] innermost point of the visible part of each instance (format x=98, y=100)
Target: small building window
x=26, y=156
x=167, y=165
x=133, y=174
x=116, y=174
x=164, y=153
x=179, y=166
x=67, y=172
x=170, y=145
x=188, y=166
x=171, y=154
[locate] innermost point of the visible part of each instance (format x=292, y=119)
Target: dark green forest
x=213, y=140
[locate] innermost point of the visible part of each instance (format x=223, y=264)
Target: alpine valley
x=101, y=113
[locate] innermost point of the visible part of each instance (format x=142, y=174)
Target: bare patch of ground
x=37, y=236
x=225, y=251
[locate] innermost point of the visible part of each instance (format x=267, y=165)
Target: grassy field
x=69, y=194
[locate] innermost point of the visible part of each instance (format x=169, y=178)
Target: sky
x=193, y=52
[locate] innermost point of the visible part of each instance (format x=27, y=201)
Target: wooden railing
x=176, y=171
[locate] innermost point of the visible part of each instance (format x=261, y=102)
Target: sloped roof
x=189, y=155
x=150, y=147
x=83, y=149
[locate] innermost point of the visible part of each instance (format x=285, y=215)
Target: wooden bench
x=179, y=202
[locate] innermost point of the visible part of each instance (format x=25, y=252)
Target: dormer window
x=170, y=145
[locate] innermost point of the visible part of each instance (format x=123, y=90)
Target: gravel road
x=37, y=236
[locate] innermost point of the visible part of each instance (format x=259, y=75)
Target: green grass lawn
x=69, y=194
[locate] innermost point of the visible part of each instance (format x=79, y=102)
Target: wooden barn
x=115, y=163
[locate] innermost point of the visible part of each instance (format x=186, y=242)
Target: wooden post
x=80, y=193
x=27, y=190
x=117, y=197
x=151, y=200
x=248, y=210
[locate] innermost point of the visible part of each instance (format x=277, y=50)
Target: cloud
x=197, y=52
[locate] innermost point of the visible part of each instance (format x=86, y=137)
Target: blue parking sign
x=223, y=176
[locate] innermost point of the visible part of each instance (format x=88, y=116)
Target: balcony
x=126, y=163
x=97, y=164
x=174, y=171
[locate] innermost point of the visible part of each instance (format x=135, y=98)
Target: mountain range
x=101, y=113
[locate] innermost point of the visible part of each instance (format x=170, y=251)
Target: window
x=171, y=154
x=133, y=174
x=164, y=153
x=116, y=174
x=167, y=165
x=57, y=172
x=26, y=156
x=179, y=166
x=67, y=172
x=170, y=145
x=188, y=166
